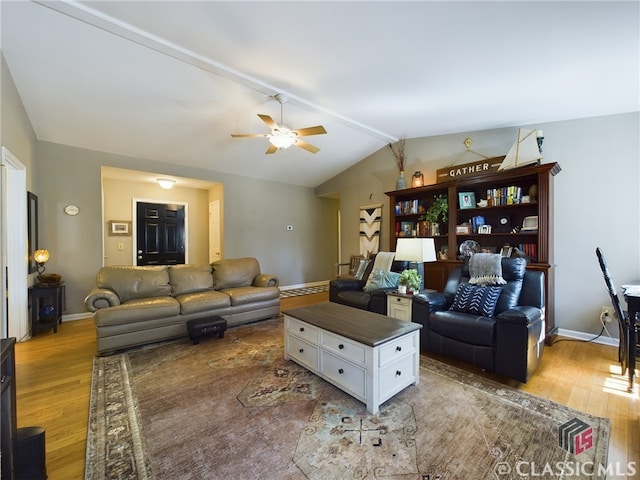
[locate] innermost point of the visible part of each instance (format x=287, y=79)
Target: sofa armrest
x=266, y=280
x=521, y=315
x=101, y=298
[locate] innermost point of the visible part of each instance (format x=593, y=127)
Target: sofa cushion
x=196, y=302
x=235, y=272
x=132, y=282
x=382, y=279
x=190, y=278
x=137, y=310
x=476, y=300
x=247, y=295
x=464, y=327
x=354, y=298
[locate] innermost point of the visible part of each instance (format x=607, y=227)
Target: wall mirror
x=32, y=229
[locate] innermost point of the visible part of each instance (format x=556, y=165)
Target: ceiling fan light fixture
x=282, y=138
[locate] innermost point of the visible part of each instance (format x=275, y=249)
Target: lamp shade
x=41, y=256
x=416, y=249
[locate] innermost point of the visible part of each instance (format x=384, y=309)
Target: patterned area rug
x=234, y=408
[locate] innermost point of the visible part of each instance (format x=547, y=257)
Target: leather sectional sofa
x=509, y=342
x=139, y=305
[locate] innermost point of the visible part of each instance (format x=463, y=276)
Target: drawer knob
x=398, y=373
x=398, y=299
x=341, y=346
x=302, y=329
x=341, y=371
x=398, y=348
x=301, y=350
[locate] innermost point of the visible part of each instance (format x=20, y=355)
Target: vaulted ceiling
x=171, y=81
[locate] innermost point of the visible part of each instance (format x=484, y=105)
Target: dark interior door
x=160, y=232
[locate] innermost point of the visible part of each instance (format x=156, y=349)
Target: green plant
x=411, y=278
x=437, y=211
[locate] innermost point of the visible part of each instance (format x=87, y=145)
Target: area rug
x=233, y=408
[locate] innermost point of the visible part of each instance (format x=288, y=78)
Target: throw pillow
x=362, y=267
x=486, y=269
x=382, y=279
x=476, y=300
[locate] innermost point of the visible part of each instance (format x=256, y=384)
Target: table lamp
x=416, y=251
x=41, y=256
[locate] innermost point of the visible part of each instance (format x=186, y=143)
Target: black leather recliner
x=509, y=343
x=350, y=292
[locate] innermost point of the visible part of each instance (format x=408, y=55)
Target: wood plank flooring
x=54, y=377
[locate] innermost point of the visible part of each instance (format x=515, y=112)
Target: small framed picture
x=119, y=227
x=406, y=229
x=506, y=251
x=484, y=229
x=467, y=199
x=464, y=229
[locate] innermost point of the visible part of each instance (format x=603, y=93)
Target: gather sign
x=481, y=167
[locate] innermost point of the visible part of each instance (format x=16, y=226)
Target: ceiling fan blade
x=248, y=135
x=271, y=149
x=306, y=146
x=303, y=132
x=268, y=120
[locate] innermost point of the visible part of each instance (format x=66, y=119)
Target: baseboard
x=76, y=316
x=603, y=339
x=304, y=285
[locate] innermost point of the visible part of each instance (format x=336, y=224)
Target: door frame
x=134, y=233
x=13, y=185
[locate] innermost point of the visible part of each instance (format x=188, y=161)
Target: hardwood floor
x=54, y=376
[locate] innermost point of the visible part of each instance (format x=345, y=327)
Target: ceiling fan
x=281, y=136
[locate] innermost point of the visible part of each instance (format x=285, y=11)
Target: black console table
x=8, y=406
x=47, y=302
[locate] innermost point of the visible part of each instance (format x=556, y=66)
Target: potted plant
x=409, y=279
x=437, y=211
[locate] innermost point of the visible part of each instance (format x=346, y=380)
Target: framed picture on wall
x=119, y=227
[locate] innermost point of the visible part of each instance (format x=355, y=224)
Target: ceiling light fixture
x=282, y=138
x=166, y=183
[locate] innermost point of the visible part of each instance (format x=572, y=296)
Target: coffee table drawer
x=397, y=375
x=397, y=348
x=303, y=352
x=348, y=376
x=344, y=347
x=302, y=329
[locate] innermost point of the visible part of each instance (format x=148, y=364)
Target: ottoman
x=201, y=327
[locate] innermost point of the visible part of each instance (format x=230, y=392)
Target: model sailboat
x=524, y=151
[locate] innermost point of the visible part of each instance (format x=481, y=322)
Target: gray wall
x=597, y=200
x=255, y=217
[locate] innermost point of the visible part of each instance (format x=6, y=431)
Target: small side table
x=399, y=305
x=47, y=302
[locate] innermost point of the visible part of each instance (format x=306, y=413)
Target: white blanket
x=383, y=261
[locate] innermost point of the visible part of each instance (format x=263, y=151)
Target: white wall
x=597, y=200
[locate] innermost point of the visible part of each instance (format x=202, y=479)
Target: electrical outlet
x=606, y=313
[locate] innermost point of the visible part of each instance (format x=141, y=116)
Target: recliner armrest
x=520, y=315
x=434, y=301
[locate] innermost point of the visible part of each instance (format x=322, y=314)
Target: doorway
x=14, y=276
x=160, y=234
